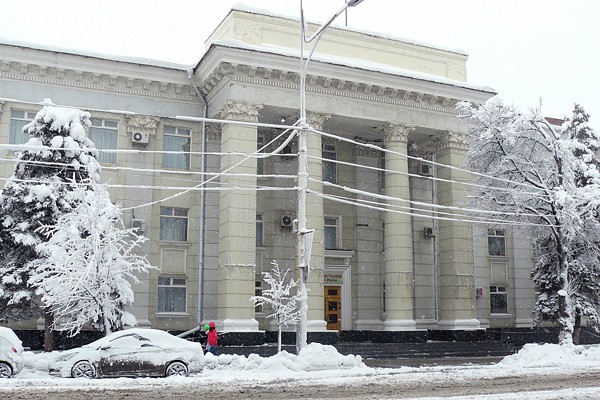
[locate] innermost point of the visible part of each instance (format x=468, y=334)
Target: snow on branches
x=279, y=298
x=546, y=181
x=87, y=264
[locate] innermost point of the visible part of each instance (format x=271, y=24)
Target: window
x=260, y=164
x=382, y=171
x=173, y=224
x=105, y=135
x=258, y=292
x=176, y=144
x=329, y=167
x=171, y=295
x=260, y=231
x=496, y=242
x=498, y=300
x=331, y=233
x=18, y=119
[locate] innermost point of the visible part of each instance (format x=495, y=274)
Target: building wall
x=358, y=105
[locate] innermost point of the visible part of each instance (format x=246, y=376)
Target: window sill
x=171, y=314
x=501, y=315
x=174, y=243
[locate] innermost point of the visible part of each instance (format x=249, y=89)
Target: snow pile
x=314, y=357
x=554, y=355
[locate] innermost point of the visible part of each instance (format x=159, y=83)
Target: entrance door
x=333, y=307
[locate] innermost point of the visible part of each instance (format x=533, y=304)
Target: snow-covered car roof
x=12, y=337
x=157, y=337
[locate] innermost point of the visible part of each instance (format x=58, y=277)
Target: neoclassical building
x=201, y=161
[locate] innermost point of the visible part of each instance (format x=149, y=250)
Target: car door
x=120, y=357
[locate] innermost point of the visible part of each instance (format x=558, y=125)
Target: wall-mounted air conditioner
x=425, y=169
x=140, y=137
x=287, y=221
x=139, y=224
x=429, y=231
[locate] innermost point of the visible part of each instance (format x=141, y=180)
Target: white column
x=399, y=277
x=237, y=220
x=457, y=308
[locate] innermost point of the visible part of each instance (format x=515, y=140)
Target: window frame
x=177, y=161
x=336, y=226
x=498, y=292
x=173, y=218
x=172, y=298
x=498, y=235
x=260, y=231
x=104, y=130
x=24, y=120
x=329, y=152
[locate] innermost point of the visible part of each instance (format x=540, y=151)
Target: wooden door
x=333, y=307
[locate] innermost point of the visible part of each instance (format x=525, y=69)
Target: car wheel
x=177, y=368
x=83, y=369
x=5, y=370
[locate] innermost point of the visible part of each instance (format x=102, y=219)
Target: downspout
x=435, y=240
x=202, y=197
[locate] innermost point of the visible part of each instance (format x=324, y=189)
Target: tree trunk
x=577, y=327
x=279, y=339
x=49, y=344
x=565, y=325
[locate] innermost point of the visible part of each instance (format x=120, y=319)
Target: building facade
x=217, y=200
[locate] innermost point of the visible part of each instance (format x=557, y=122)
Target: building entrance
x=333, y=307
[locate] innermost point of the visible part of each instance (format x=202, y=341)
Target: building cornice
x=224, y=65
x=58, y=69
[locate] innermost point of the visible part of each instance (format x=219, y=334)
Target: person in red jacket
x=213, y=339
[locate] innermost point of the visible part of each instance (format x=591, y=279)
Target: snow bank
x=313, y=357
x=554, y=355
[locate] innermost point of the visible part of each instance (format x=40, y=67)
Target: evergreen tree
x=57, y=155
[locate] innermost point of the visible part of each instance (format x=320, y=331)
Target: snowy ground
x=323, y=366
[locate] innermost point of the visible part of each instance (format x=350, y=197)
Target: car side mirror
x=106, y=347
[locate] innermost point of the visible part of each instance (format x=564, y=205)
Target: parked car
x=11, y=353
x=131, y=353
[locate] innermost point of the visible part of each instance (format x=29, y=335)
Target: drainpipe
x=202, y=197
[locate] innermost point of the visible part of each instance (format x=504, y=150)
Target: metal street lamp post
x=304, y=235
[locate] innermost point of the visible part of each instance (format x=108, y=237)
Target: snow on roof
x=353, y=63
x=103, y=56
x=254, y=10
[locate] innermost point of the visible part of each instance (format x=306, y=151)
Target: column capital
x=240, y=111
x=213, y=131
x=396, y=132
x=457, y=140
x=316, y=120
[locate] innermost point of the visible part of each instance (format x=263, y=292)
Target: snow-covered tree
x=57, y=154
x=88, y=263
x=279, y=299
x=531, y=176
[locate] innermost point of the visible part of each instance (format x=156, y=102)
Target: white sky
x=526, y=50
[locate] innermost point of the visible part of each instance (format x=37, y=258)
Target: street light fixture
x=304, y=235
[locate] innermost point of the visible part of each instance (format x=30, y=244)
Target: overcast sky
x=527, y=50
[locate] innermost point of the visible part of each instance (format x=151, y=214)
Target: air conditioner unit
x=429, y=231
x=140, y=137
x=139, y=224
x=425, y=169
x=287, y=221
